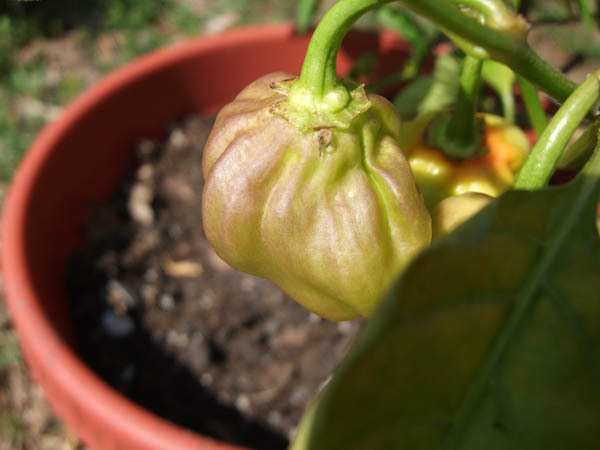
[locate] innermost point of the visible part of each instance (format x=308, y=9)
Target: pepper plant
x=485, y=336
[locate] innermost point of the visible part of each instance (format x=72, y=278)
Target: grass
x=9, y=351
x=30, y=92
x=12, y=430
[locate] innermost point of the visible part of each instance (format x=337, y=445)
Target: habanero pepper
x=331, y=214
x=492, y=171
x=453, y=211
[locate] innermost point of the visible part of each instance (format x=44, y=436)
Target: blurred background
x=50, y=51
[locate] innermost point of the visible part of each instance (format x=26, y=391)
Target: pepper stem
x=317, y=99
x=540, y=164
x=462, y=133
x=318, y=83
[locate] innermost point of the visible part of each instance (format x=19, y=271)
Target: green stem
x=506, y=47
x=496, y=14
x=318, y=75
x=508, y=106
x=463, y=130
x=535, y=111
x=592, y=167
x=579, y=151
x=540, y=164
x=586, y=13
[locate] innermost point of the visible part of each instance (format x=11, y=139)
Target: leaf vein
x=585, y=192
x=568, y=313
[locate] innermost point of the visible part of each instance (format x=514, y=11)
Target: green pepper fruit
x=491, y=172
x=453, y=211
x=330, y=214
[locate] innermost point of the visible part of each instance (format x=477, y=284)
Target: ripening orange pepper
x=505, y=149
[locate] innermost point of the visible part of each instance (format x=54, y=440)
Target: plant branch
x=506, y=47
x=462, y=133
x=318, y=84
x=541, y=163
x=592, y=168
x=575, y=155
x=496, y=14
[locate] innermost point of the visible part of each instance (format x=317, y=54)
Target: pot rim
x=55, y=359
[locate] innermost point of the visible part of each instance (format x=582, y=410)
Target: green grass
x=12, y=430
x=21, y=24
x=140, y=27
x=9, y=350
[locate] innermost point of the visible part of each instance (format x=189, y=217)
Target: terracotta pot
x=76, y=163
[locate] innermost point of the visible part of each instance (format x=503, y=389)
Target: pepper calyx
x=441, y=135
x=337, y=108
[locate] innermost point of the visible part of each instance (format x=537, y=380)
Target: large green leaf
x=491, y=339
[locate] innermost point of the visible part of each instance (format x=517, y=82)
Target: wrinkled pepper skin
x=331, y=216
x=440, y=177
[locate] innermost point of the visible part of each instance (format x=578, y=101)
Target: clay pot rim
x=36, y=334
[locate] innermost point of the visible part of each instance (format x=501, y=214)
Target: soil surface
x=164, y=320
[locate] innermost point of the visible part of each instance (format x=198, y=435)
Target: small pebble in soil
x=166, y=302
x=116, y=325
x=182, y=333
x=120, y=296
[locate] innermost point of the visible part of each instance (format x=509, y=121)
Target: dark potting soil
x=161, y=318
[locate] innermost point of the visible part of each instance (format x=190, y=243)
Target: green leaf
x=502, y=80
x=431, y=93
x=364, y=65
x=490, y=340
x=408, y=100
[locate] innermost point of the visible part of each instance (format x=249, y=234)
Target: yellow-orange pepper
x=495, y=171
